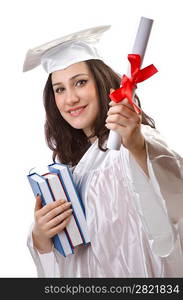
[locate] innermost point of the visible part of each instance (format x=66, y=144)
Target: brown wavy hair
x=67, y=143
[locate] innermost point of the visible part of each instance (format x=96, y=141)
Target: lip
x=76, y=108
x=76, y=111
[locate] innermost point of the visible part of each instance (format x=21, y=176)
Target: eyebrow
x=73, y=77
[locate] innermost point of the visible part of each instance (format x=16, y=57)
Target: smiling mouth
x=78, y=111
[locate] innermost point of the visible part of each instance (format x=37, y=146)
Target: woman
x=132, y=197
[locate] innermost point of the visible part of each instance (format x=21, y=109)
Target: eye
x=81, y=82
x=59, y=90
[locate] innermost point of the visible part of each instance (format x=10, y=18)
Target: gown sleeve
x=46, y=264
x=159, y=197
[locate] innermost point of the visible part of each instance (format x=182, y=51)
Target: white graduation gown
x=135, y=222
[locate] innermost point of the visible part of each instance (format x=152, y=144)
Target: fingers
x=51, y=216
x=123, y=122
x=124, y=102
x=50, y=210
x=60, y=227
x=122, y=109
x=57, y=211
x=117, y=119
x=112, y=90
x=59, y=219
x=125, y=119
x=121, y=115
x=48, y=207
x=38, y=204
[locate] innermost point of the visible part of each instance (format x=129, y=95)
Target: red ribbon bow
x=129, y=84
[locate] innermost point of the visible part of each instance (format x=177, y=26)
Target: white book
x=71, y=193
x=58, y=192
x=40, y=186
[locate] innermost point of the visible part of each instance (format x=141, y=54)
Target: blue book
x=39, y=185
x=70, y=189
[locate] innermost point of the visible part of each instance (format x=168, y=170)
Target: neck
x=88, y=132
x=93, y=139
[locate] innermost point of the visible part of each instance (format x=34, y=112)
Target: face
x=76, y=96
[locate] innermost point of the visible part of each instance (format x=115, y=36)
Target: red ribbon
x=129, y=84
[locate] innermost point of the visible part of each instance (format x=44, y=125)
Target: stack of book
x=55, y=185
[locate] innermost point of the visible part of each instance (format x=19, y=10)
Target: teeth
x=76, y=111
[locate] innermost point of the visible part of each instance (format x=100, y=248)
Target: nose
x=71, y=97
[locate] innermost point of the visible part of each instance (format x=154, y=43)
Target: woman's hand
x=123, y=119
x=49, y=220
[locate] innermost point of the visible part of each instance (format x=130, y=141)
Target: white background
x=26, y=24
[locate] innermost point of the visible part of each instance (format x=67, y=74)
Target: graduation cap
x=65, y=51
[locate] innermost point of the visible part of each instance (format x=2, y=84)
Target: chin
x=79, y=125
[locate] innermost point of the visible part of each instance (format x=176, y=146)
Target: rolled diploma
x=139, y=47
